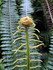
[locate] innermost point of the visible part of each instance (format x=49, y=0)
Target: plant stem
x=28, y=49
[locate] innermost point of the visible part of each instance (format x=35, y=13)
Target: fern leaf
x=27, y=50
x=7, y=29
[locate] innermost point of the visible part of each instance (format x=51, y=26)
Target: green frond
x=35, y=35
x=27, y=50
x=7, y=28
x=50, y=57
x=18, y=38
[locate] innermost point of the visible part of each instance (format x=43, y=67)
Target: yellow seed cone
x=26, y=21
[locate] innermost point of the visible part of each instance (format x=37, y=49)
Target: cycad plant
x=25, y=25
x=7, y=27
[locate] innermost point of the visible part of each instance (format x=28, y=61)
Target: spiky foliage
x=7, y=28
x=1, y=7
x=26, y=48
x=48, y=62
x=50, y=59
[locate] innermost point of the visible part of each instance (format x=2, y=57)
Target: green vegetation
x=1, y=65
x=1, y=2
x=10, y=13
x=51, y=0
x=27, y=23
